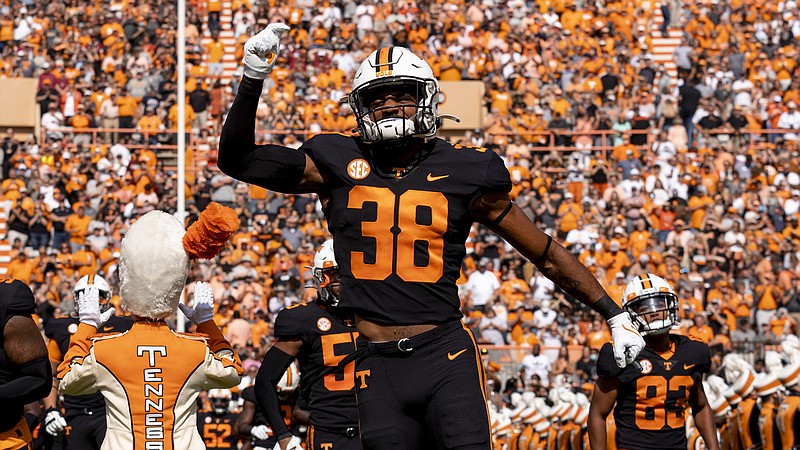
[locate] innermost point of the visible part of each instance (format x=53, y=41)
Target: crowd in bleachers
x=693, y=197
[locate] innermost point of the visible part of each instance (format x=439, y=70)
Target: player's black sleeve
x=606, y=365
x=286, y=327
x=496, y=177
x=33, y=382
x=272, y=167
x=275, y=363
x=704, y=352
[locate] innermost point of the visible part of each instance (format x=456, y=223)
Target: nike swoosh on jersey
x=436, y=178
x=688, y=366
x=452, y=356
x=108, y=328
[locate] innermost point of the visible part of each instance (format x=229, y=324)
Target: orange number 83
x=651, y=398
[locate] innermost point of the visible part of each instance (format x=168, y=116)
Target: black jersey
x=217, y=431
x=326, y=341
x=399, y=242
x=61, y=330
x=287, y=406
x=652, y=404
x=16, y=299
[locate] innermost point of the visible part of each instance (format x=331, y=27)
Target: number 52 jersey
x=327, y=340
x=652, y=404
x=399, y=242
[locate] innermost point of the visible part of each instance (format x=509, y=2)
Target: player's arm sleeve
x=223, y=368
x=77, y=373
x=496, y=178
x=273, y=167
x=606, y=365
x=272, y=369
x=704, y=366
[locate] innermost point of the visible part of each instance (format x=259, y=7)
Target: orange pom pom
x=206, y=237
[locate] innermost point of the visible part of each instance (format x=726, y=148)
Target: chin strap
x=441, y=117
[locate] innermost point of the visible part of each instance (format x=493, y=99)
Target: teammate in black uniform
x=83, y=424
x=400, y=204
x=252, y=424
x=216, y=426
x=315, y=335
x=25, y=374
x=652, y=400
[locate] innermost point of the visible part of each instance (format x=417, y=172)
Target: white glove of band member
x=88, y=304
x=54, y=422
x=203, y=310
x=261, y=432
x=261, y=51
x=294, y=444
x=627, y=341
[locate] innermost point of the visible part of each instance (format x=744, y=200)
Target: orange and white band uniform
x=150, y=377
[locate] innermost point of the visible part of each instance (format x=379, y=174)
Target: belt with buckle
x=349, y=432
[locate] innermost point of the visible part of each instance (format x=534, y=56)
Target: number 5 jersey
x=327, y=340
x=652, y=404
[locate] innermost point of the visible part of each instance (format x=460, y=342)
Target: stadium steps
x=664, y=47
x=229, y=62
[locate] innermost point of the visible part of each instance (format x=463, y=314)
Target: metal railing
x=163, y=142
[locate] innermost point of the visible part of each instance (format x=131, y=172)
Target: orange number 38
x=399, y=253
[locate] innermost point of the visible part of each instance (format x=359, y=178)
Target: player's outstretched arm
x=495, y=210
x=603, y=398
x=273, y=167
x=276, y=361
x=25, y=348
x=703, y=416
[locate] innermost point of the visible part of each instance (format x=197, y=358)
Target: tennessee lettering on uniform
x=153, y=389
x=652, y=405
x=150, y=378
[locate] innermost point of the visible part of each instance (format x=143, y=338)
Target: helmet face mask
x=395, y=70
x=220, y=400
x=326, y=273
x=653, y=314
x=651, y=303
x=102, y=286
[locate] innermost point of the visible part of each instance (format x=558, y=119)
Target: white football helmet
x=648, y=295
x=289, y=381
x=390, y=68
x=220, y=400
x=100, y=283
x=326, y=272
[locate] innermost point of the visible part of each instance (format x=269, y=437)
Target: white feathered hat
x=155, y=256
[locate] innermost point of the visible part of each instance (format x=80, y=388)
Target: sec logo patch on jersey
x=647, y=366
x=72, y=328
x=323, y=324
x=358, y=169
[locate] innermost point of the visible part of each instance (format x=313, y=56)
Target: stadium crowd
x=694, y=202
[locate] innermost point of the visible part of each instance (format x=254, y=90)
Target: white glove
x=54, y=422
x=261, y=432
x=203, y=310
x=261, y=51
x=627, y=341
x=294, y=444
x=89, y=308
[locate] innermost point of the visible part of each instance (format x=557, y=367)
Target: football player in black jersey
x=216, y=426
x=25, y=373
x=400, y=203
x=83, y=423
x=252, y=423
x=653, y=397
x=319, y=338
